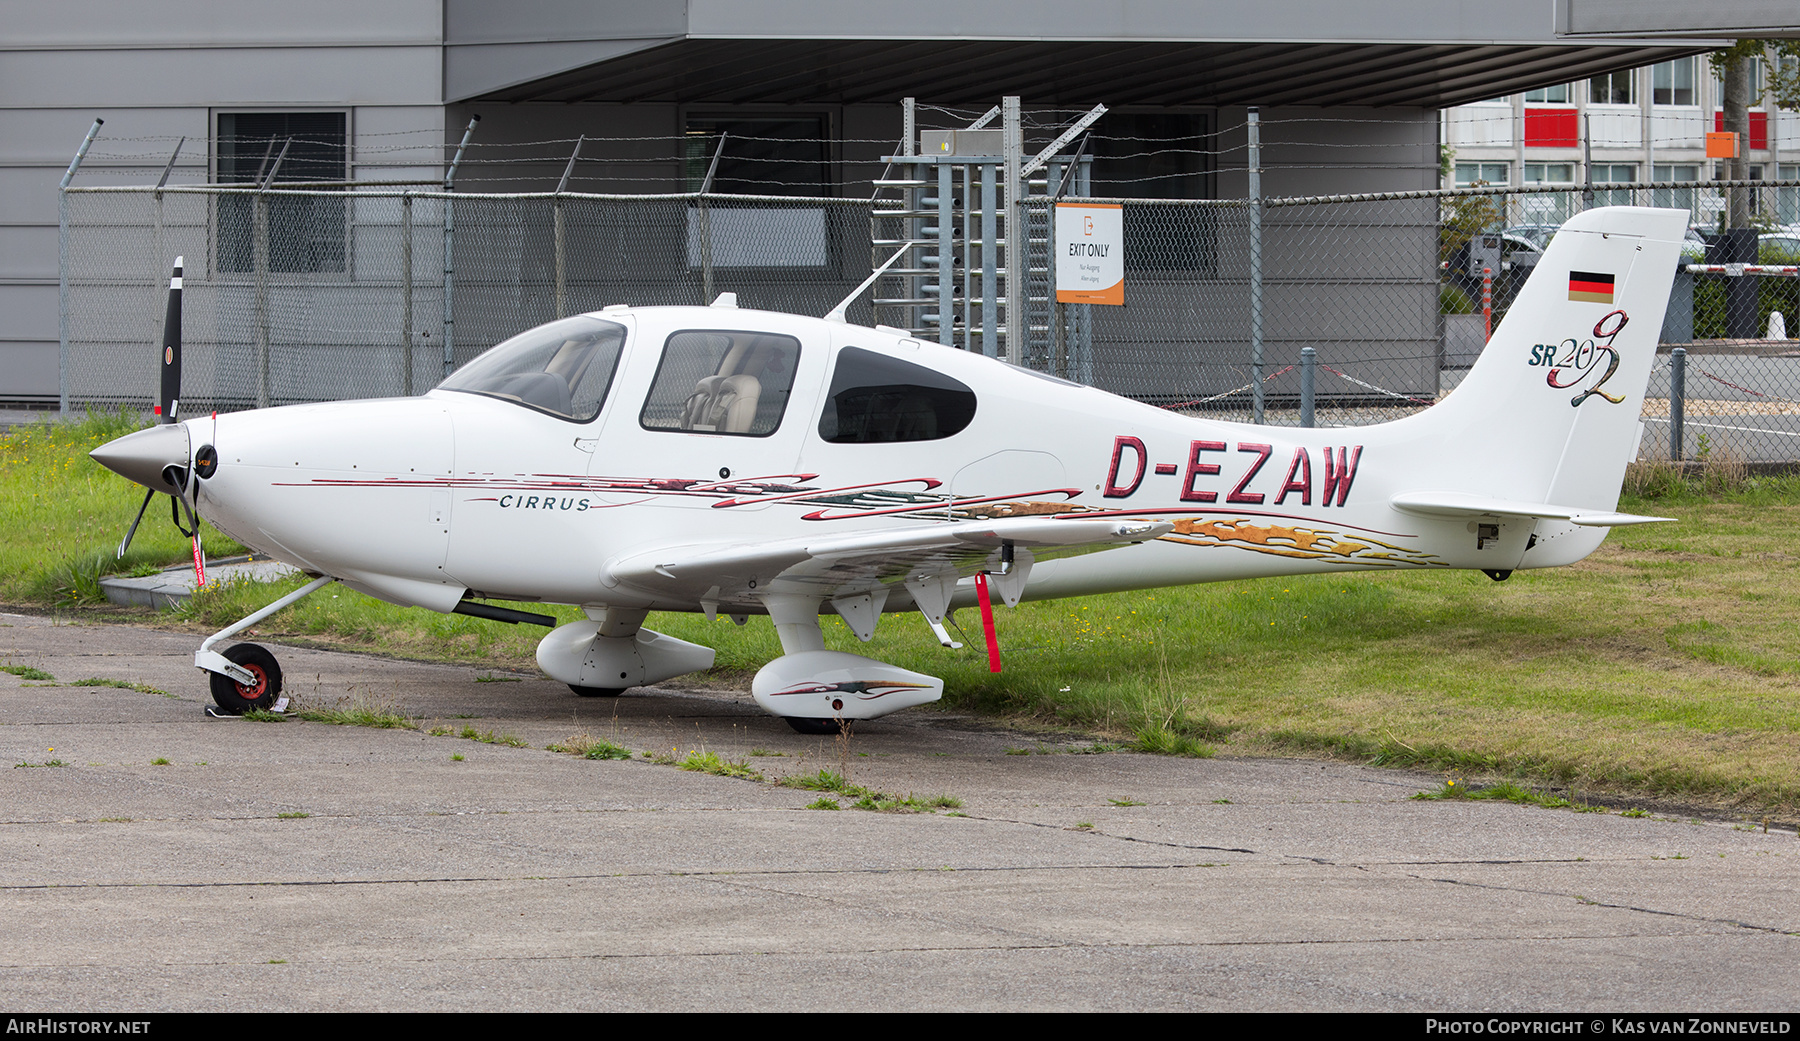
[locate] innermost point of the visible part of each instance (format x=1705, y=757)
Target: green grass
x=588, y=747
x=53, y=496
x=141, y=688
x=712, y=763
x=486, y=737
x=357, y=711
x=26, y=672
x=864, y=798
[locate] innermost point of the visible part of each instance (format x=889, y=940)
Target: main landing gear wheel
x=818, y=727
x=598, y=692
x=238, y=698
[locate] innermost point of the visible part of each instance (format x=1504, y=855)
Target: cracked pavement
x=305, y=866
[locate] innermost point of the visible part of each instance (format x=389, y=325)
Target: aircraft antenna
x=836, y=314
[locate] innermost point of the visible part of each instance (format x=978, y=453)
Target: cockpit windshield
x=563, y=368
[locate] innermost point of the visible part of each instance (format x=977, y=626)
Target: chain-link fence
x=311, y=295
x=294, y=296
x=1202, y=326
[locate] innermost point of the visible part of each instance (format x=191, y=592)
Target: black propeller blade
x=169, y=400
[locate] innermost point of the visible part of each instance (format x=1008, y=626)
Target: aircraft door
x=709, y=418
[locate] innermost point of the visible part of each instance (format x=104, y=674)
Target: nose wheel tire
x=817, y=727
x=239, y=698
x=597, y=692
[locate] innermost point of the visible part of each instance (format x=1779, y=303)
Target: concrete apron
x=178, y=862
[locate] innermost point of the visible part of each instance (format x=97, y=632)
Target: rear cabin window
x=722, y=382
x=875, y=399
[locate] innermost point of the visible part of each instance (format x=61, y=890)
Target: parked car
x=1693, y=248
x=1517, y=259
x=1779, y=247
x=1538, y=236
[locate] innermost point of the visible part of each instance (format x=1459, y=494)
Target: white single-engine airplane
x=723, y=460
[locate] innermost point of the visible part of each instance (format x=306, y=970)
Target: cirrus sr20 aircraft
x=751, y=463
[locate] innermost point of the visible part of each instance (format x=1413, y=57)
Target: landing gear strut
x=247, y=676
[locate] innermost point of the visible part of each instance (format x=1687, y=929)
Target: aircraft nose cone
x=141, y=456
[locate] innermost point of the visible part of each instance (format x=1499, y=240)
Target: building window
x=1557, y=95
x=1787, y=200
x=1672, y=82
x=299, y=234
x=1752, y=172
x=1156, y=155
x=767, y=155
x=770, y=155
x=1613, y=89
x=1674, y=198
x=1615, y=173
x=1483, y=175
x=1550, y=207
x=1756, y=84
x=1150, y=155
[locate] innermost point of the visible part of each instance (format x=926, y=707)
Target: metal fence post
x=704, y=217
x=1677, y=403
x=1309, y=361
x=259, y=246
x=406, y=293
x=62, y=266
x=259, y=226
x=560, y=245
x=449, y=241
x=449, y=325
x=1018, y=239
x=1256, y=273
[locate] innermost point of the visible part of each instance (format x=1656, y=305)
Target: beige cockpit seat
x=726, y=404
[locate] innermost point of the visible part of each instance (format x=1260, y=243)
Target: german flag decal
x=1590, y=287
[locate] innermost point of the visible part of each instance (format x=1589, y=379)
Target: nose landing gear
x=239, y=698
x=246, y=676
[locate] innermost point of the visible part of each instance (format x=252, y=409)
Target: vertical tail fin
x=1552, y=406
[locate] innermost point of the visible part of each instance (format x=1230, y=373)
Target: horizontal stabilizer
x=1462, y=504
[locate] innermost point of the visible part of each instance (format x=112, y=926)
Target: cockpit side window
x=876, y=399
x=563, y=368
x=722, y=382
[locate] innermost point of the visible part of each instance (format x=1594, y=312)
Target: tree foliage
x=1781, y=59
